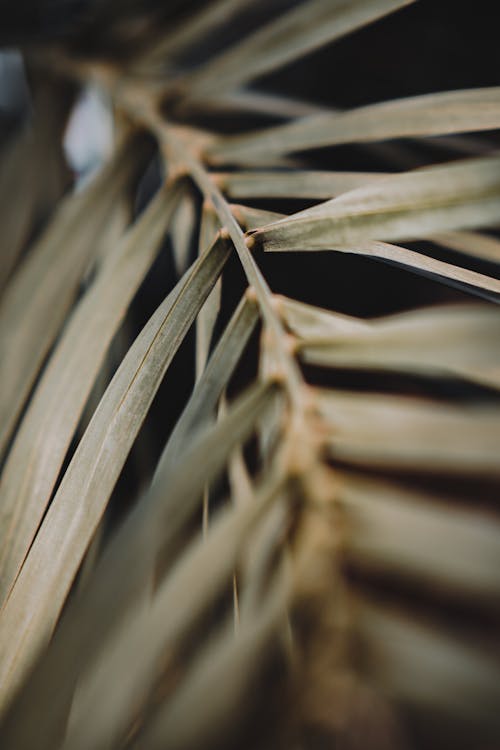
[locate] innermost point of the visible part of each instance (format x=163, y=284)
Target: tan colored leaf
x=124, y=571
x=253, y=218
x=182, y=231
x=229, y=662
x=292, y=184
x=458, y=340
x=396, y=432
x=131, y=662
x=48, y=426
x=430, y=114
x=200, y=408
x=33, y=175
x=471, y=243
x=40, y=294
x=429, y=668
x=34, y=604
x=404, y=206
x=191, y=30
x=205, y=323
x=290, y=36
x=445, y=546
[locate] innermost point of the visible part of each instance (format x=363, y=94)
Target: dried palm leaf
x=256, y=506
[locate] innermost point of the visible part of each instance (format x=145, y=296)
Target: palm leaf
x=249, y=500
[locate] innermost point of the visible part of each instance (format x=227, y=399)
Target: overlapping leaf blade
x=34, y=605
x=48, y=426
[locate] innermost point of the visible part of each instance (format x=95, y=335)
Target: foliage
x=244, y=507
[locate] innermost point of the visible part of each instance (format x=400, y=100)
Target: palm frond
x=249, y=475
